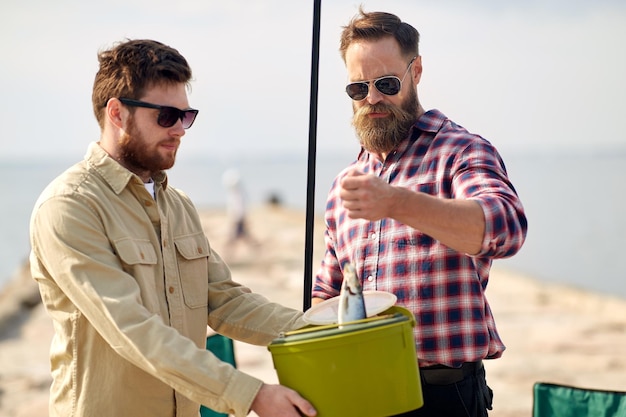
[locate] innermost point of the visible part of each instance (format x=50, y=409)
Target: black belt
x=444, y=375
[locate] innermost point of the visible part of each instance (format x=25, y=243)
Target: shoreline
x=553, y=332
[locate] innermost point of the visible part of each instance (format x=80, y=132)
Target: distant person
x=237, y=209
x=274, y=200
x=126, y=271
x=421, y=213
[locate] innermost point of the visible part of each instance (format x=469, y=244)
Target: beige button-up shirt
x=131, y=283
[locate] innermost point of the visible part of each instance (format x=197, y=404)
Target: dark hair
x=131, y=67
x=374, y=26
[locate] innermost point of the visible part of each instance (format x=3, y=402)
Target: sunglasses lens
x=388, y=85
x=168, y=116
x=357, y=91
x=188, y=118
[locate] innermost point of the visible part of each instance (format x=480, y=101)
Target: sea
x=575, y=204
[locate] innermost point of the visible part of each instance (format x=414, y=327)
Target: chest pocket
x=193, y=266
x=139, y=259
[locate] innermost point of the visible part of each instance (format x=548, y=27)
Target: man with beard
x=421, y=213
x=127, y=274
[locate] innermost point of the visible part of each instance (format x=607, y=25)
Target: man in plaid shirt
x=421, y=213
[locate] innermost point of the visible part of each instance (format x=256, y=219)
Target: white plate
x=327, y=311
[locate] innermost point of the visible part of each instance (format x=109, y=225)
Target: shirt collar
x=115, y=174
x=431, y=121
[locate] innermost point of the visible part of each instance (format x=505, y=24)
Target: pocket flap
x=135, y=252
x=193, y=246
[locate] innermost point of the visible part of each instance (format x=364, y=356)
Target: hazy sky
x=536, y=75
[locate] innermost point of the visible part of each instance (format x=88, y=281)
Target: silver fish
x=351, y=301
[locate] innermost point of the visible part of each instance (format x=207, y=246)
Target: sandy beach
x=553, y=333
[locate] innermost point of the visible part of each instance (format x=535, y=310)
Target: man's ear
x=115, y=112
x=416, y=71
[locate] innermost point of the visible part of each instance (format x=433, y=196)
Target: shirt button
x=370, y=278
x=142, y=255
x=199, y=250
x=147, y=203
x=373, y=236
x=171, y=290
x=165, y=243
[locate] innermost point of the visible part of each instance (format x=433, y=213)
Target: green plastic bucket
x=366, y=369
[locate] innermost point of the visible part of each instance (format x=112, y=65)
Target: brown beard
x=138, y=155
x=382, y=135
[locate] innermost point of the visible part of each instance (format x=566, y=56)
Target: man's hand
x=280, y=401
x=366, y=196
x=457, y=223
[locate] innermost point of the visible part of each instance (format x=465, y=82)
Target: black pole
x=310, y=190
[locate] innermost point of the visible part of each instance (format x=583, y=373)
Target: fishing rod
x=310, y=190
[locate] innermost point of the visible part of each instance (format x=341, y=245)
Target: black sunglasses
x=389, y=85
x=168, y=116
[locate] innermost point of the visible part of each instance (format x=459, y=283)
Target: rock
x=17, y=298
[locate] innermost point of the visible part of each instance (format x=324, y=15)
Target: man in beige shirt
x=127, y=274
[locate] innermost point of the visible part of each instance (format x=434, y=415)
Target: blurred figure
x=237, y=210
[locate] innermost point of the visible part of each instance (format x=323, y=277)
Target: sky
x=532, y=76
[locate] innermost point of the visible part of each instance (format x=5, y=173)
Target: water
x=577, y=228
x=574, y=203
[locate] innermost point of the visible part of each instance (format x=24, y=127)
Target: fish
x=351, y=300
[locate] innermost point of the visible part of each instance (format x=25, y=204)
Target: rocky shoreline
x=17, y=299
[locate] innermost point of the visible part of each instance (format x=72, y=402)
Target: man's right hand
x=280, y=401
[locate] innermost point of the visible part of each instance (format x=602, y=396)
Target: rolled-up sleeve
x=479, y=174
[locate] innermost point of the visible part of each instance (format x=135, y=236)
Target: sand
x=553, y=333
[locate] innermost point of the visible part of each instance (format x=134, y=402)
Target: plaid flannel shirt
x=443, y=288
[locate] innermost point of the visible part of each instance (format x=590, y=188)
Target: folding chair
x=223, y=348
x=554, y=400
